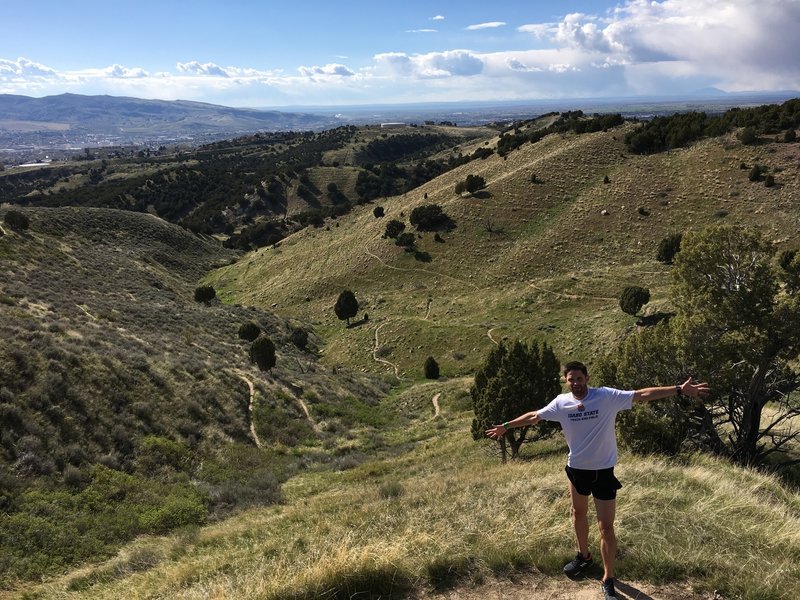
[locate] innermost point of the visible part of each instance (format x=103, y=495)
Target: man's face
x=578, y=383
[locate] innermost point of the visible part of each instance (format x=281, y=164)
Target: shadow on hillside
x=359, y=323
x=482, y=195
x=654, y=319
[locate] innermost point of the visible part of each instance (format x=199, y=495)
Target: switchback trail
x=435, y=400
x=380, y=360
x=304, y=407
x=252, y=389
x=428, y=309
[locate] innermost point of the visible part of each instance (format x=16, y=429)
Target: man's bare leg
x=580, y=519
x=606, y=510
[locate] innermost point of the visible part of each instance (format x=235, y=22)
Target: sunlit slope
x=547, y=258
x=448, y=513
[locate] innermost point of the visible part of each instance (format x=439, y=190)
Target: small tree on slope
x=346, y=306
x=514, y=380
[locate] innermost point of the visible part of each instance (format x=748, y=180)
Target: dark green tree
x=473, y=183
x=428, y=217
x=406, y=240
x=633, y=298
x=204, y=293
x=790, y=136
x=299, y=337
x=738, y=314
x=346, y=306
x=378, y=212
x=514, y=380
x=16, y=220
x=394, y=228
x=669, y=247
x=431, y=368
x=249, y=331
x=335, y=194
x=262, y=353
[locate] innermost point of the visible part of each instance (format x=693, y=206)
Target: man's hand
x=694, y=390
x=496, y=432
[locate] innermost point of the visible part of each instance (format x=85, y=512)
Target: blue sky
x=353, y=52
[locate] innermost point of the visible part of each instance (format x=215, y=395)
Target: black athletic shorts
x=600, y=483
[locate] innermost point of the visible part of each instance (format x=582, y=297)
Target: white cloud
x=422, y=30
x=562, y=68
x=205, y=69
x=123, y=72
x=539, y=30
x=330, y=70
x=490, y=25
x=22, y=67
x=517, y=65
x=430, y=66
x=394, y=63
x=734, y=45
x=437, y=18
x=581, y=31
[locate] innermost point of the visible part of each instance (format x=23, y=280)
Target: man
x=588, y=417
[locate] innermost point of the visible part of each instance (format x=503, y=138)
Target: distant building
x=392, y=125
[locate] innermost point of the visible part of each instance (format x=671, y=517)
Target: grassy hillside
x=447, y=515
x=547, y=258
x=126, y=406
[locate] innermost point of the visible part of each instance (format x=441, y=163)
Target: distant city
x=40, y=137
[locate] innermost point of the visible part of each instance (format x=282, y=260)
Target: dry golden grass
x=461, y=518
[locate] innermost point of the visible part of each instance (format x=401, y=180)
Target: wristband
x=678, y=390
x=505, y=425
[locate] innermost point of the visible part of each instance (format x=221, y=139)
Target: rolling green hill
x=373, y=484
x=524, y=259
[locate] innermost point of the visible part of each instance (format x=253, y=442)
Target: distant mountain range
x=122, y=116
x=54, y=126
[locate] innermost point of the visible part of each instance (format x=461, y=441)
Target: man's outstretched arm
x=529, y=418
x=687, y=388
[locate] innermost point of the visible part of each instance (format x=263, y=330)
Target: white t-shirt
x=589, y=425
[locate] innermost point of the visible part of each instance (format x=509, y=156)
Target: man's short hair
x=576, y=366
